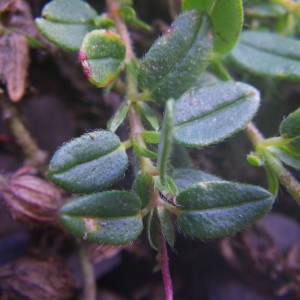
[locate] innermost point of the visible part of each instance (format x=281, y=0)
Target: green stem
x=254, y=135
x=88, y=274
x=284, y=176
x=136, y=126
x=220, y=70
x=137, y=129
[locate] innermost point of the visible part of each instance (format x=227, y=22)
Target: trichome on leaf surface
x=186, y=75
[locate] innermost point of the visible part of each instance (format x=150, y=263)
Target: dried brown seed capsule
x=31, y=199
x=33, y=278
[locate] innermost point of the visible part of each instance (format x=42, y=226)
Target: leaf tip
x=87, y=70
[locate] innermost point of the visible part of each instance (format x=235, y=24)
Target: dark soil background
x=41, y=261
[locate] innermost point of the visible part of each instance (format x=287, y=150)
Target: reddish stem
x=165, y=271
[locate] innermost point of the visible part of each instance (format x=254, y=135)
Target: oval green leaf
x=89, y=163
x=143, y=187
x=226, y=33
x=266, y=10
x=268, y=54
x=65, y=23
x=290, y=126
x=101, y=56
x=287, y=156
x=215, y=209
x=108, y=218
x=166, y=139
x=180, y=157
x=153, y=229
x=66, y=36
x=167, y=225
x=119, y=117
x=185, y=178
x=149, y=114
x=209, y=115
x=176, y=59
x=66, y=11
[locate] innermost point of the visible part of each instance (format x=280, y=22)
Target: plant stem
x=35, y=156
x=284, y=176
x=254, y=134
x=137, y=129
x=114, y=9
x=88, y=275
x=136, y=126
x=165, y=270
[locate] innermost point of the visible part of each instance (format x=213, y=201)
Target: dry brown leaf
x=17, y=22
x=14, y=61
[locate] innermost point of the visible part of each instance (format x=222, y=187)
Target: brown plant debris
x=32, y=278
x=31, y=199
x=267, y=257
x=15, y=24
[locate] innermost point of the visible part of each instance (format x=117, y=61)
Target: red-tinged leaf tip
x=87, y=70
x=82, y=56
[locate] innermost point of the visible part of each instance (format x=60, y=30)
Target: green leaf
x=129, y=15
x=176, y=59
x=169, y=186
x=33, y=42
x=287, y=156
x=206, y=79
x=165, y=145
x=89, y=163
x=273, y=183
x=103, y=21
x=217, y=208
x=179, y=157
x=209, y=115
x=151, y=137
x=153, y=229
x=114, y=123
x=290, y=127
x=185, y=178
x=65, y=36
x=226, y=33
x=142, y=150
x=254, y=160
x=167, y=226
x=101, y=56
x=266, y=10
x=108, y=218
x=143, y=187
x=149, y=114
x=65, y=22
x=66, y=11
x=271, y=164
x=268, y=54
